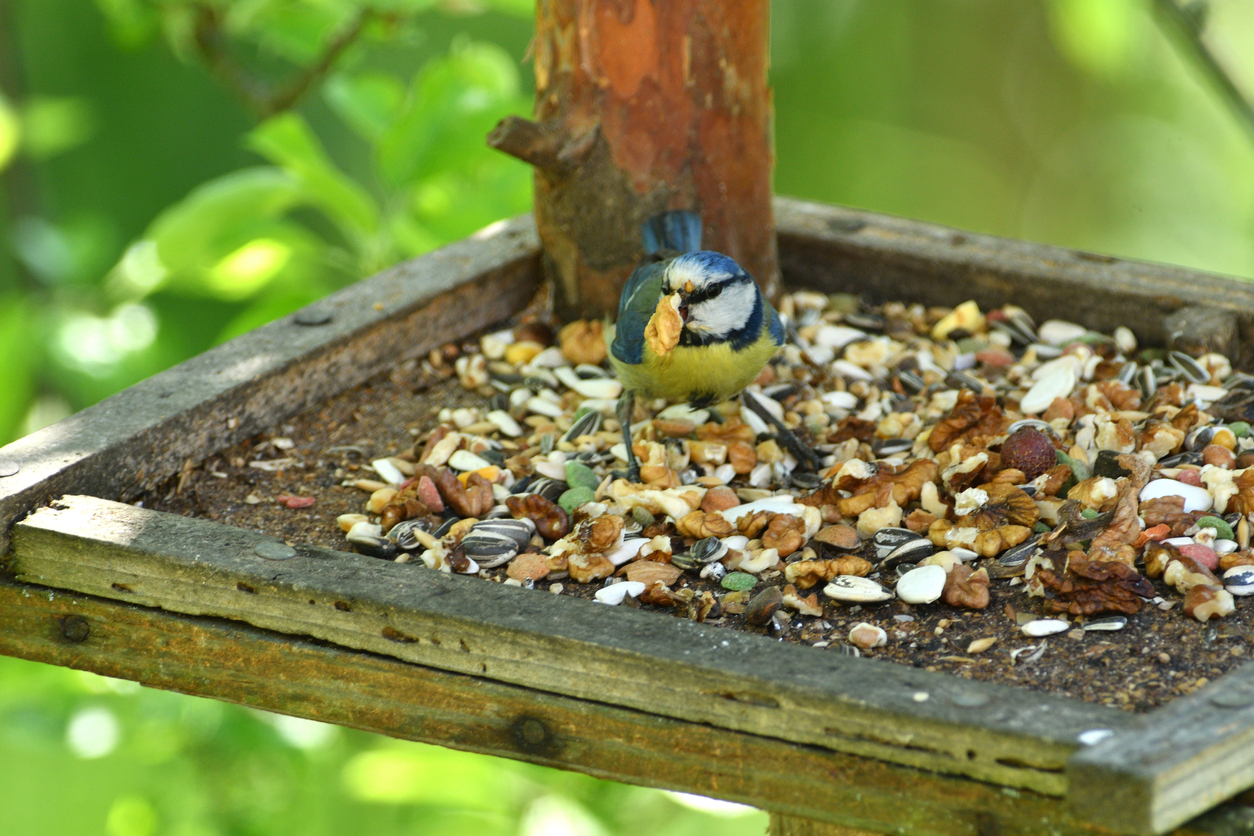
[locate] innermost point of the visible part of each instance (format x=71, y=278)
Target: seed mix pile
x=986, y=483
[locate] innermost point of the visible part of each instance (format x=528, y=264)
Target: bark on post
x=643, y=106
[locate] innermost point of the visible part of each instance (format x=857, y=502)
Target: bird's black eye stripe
x=710, y=291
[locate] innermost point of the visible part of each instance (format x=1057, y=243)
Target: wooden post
x=643, y=106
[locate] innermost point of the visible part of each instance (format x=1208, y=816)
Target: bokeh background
x=175, y=172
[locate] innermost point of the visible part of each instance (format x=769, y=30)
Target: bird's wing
x=773, y=323
x=635, y=306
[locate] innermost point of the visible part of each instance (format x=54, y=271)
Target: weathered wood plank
x=238, y=663
x=1192, y=754
x=888, y=258
x=143, y=434
x=625, y=657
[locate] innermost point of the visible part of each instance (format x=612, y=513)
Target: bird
x=692, y=326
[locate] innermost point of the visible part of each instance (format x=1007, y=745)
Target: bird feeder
x=827, y=743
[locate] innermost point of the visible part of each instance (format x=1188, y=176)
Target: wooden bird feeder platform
x=827, y=743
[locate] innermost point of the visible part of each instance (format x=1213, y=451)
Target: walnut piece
x=662, y=332
x=868, y=484
x=1086, y=587
x=1206, y=602
x=785, y=533
x=976, y=419
x=965, y=588
x=697, y=525
x=808, y=573
x=551, y=521
x=583, y=341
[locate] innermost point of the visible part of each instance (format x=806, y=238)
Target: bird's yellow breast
x=708, y=373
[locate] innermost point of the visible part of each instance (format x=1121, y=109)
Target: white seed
x=544, y=406
x=981, y=645
x=505, y=423
x=1059, y=332
x=1045, y=627
x=597, y=387
x=615, y=593
x=922, y=585
x=1057, y=384
x=854, y=589
x=1195, y=498
x=466, y=460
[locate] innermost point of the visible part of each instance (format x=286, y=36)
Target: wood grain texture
x=143, y=434
x=1190, y=755
x=241, y=664
x=633, y=659
x=809, y=788
x=642, y=107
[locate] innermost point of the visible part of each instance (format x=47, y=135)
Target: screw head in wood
x=1233, y=697
x=969, y=699
x=75, y=628
x=312, y=316
x=271, y=550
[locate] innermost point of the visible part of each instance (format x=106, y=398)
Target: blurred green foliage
x=92, y=755
x=175, y=172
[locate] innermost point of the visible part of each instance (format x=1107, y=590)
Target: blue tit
x=692, y=324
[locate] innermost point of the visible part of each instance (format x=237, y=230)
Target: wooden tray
x=819, y=739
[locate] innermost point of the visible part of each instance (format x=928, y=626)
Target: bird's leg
x=627, y=406
x=802, y=451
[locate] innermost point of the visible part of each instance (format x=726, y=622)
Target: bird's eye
x=715, y=290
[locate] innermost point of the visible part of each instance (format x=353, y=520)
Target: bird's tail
x=679, y=231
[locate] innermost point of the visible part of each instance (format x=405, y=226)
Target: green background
x=154, y=202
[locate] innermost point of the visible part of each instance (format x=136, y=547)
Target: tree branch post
x=643, y=106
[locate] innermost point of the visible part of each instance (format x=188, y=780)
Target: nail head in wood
x=9, y=467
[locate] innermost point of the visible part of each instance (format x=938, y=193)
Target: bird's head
x=717, y=298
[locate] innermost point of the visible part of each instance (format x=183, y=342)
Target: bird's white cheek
x=725, y=315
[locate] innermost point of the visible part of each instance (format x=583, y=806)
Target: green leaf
x=216, y=217
x=10, y=132
x=454, y=102
x=298, y=32
x=368, y=102
x=451, y=205
x=131, y=23
x=17, y=336
x=54, y=124
x=287, y=141
x=525, y=9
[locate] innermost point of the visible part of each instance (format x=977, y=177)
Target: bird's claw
x=801, y=451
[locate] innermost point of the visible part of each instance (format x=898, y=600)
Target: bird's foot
x=806, y=456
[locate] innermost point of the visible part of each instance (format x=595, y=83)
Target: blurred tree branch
x=260, y=98
x=1188, y=20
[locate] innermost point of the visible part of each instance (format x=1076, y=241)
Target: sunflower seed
x=909, y=552
x=1192, y=370
x=519, y=530
x=488, y=548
